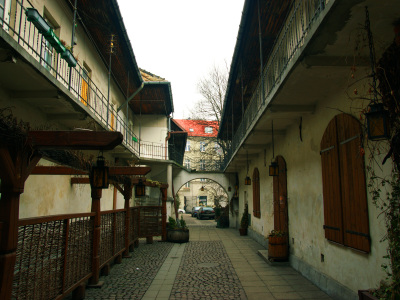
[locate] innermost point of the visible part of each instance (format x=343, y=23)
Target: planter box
x=178, y=235
x=69, y=58
x=243, y=231
x=277, y=248
x=366, y=295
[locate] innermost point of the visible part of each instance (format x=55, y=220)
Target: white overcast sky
x=180, y=40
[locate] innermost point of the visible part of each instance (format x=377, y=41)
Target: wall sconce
x=99, y=174
x=273, y=169
x=140, y=189
x=377, y=122
x=247, y=180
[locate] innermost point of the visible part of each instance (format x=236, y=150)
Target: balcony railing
x=298, y=25
x=77, y=81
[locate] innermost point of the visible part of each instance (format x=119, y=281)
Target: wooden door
x=280, y=197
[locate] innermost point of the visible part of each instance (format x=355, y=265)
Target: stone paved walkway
x=215, y=264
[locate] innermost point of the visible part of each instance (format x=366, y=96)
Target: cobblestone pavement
x=215, y=264
x=132, y=278
x=206, y=272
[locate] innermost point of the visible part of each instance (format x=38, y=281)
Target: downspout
x=261, y=54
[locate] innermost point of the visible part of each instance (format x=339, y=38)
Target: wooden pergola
x=19, y=161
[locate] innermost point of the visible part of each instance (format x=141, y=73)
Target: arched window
x=256, y=194
x=344, y=188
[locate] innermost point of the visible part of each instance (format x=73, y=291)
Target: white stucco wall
x=349, y=267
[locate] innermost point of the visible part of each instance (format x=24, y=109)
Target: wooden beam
x=56, y=170
x=75, y=140
x=129, y=170
x=80, y=180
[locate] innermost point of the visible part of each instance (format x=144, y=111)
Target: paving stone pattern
x=206, y=272
x=132, y=278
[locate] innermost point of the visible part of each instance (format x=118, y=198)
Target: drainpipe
x=261, y=57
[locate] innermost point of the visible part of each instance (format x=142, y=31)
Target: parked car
x=206, y=212
x=181, y=211
x=195, y=210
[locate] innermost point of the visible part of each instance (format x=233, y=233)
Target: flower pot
x=178, y=235
x=277, y=248
x=366, y=295
x=243, y=231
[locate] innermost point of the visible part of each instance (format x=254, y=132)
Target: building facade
x=296, y=98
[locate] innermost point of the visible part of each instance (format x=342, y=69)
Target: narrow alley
x=215, y=264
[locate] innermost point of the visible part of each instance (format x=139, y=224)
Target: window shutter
x=256, y=193
x=331, y=184
x=352, y=175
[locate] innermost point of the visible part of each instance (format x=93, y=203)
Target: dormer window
x=191, y=129
x=208, y=129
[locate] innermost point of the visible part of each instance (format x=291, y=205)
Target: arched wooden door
x=280, y=197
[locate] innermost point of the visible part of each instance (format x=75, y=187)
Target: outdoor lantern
x=377, y=122
x=273, y=169
x=202, y=188
x=99, y=174
x=229, y=189
x=247, y=180
x=140, y=189
x=37, y=20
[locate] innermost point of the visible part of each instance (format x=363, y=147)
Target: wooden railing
x=54, y=254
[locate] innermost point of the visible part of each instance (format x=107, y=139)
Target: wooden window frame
x=344, y=184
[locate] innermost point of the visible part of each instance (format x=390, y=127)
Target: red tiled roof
x=197, y=127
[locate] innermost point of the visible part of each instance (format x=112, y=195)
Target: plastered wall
x=350, y=268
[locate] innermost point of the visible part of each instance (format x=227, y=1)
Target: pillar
x=96, y=196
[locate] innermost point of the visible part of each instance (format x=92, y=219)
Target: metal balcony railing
x=298, y=25
x=76, y=80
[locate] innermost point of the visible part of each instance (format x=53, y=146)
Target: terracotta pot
x=178, y=235
x=366, y=295
x=277, y=248
x=243, y=231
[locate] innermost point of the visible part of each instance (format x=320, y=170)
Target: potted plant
x=277, y=246
x=244, y=222
x=177, y=232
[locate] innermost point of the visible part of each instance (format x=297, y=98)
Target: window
x=202, y=180
x=48, y=52
x=217, y=148
x=191, y=129
x=187, y=163
x=187, y=184
x=85, y=84
x=208, y=129
x=187, y=148
x=202, y=146
x=343, y=180
x=112, y=117
x=256, y=193
x=202, y=164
